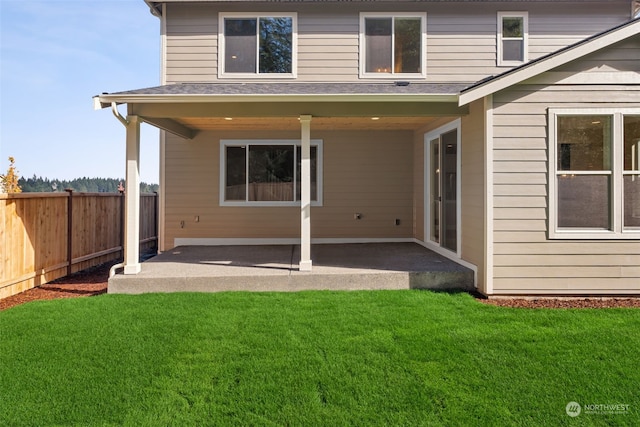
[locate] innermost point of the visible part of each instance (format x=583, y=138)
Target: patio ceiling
x=293, y=124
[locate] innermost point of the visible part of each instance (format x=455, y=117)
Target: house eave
x=105, y=100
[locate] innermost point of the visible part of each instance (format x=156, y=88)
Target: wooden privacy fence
x=45, y=236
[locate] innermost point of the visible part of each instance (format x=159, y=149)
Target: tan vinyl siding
x=191, y=43
x=364, y=172
x=461, y=39
x=525, y=260
x=327, y=47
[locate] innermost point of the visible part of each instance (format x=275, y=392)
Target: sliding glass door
x=442, y=187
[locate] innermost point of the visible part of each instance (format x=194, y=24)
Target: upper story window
x=594, y=181
x=393, y=45
x=513, y=34
x=257, y=45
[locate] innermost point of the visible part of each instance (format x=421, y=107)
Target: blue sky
x=54, y=56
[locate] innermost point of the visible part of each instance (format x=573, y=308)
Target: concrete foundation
x=345, y=267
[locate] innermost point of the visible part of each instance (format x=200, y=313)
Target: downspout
x=114, y=109
x=112, y=270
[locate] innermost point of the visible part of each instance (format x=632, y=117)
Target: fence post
x=69, y=230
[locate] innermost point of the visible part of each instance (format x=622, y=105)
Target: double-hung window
x=594, y=173
x=267, y=172
x=393, y=45
x=513, y=34
x=257, y=45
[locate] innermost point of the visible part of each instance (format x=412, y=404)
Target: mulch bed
x=94, y=282
x=84, y=283
x=563, y=302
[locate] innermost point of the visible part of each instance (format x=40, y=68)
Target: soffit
x=317, y=123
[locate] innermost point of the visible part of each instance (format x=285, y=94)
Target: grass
x=313, y=358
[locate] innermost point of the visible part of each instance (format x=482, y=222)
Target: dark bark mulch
x=94, y=282
x=86, y=283
x=564, y=302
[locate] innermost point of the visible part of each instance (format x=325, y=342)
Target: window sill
x=252, y=76
x=241, y=204
x=510, y=64
x=385, y=76
x=578, y=234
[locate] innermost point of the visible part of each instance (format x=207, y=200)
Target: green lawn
x=313, y=358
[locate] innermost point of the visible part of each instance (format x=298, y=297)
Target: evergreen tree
x=38, y=184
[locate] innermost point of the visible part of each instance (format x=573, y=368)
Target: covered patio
x=365, y=266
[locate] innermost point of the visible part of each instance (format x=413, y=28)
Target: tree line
x=37, y=184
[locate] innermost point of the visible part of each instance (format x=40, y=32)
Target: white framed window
x=594, y=173
x=257, y=45
x=513, y=38
x=267, y=172
x=393, y=45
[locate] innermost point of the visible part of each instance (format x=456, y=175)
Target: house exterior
x=504, y=135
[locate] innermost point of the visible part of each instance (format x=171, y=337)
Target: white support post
x=132, y=198
x=305, y=198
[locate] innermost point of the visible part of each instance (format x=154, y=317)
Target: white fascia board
x=536, y=68
x=106, y=100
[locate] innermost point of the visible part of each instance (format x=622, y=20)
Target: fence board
x=35, y=235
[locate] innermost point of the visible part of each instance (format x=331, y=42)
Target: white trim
x=616, y=231
x=597, y=77
x=553, y=61
x=132, y=197
x=391, y=75
x=162, y=193
x=249, y=241
x=105, y=100
x=318, y=143
x=305, y=192
x=163, y=45
x=525, y=38
x=489, y=193
x=257, y=75
x=162, y=134
x=436, y=133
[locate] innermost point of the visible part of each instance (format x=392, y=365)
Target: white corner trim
x=489, y=202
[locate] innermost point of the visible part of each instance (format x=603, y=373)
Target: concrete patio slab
x=275, y=268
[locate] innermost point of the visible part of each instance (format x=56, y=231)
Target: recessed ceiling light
x=375, y=118
x=228, y=118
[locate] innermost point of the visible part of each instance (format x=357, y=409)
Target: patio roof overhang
x=186, y=109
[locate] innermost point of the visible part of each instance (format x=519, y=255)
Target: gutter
x=154, y=8
x=108, y=100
